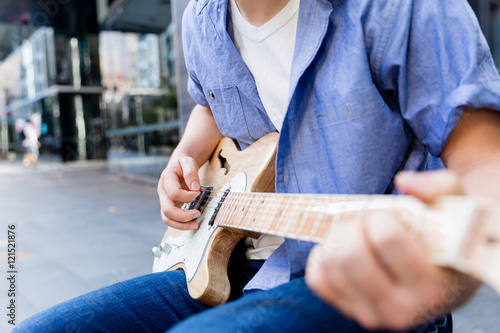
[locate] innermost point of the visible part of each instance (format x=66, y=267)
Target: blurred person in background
x=30, y=144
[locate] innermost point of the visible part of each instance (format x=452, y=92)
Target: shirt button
x=212, y=96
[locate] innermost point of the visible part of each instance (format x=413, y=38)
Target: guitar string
x=275, y=198
x=272, y=202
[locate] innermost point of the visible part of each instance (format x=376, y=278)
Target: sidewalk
x=79, y=228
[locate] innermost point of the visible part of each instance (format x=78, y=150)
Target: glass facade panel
x=139, y=98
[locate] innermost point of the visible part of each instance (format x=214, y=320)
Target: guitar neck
x=305, y=217
x=459, y=232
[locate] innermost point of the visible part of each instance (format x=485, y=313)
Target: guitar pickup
x=201, y=200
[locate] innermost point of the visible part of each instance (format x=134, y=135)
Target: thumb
x=428, y=185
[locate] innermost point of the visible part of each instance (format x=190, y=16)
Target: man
x=359, y=90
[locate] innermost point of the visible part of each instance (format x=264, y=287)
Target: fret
x=233, y=212
x=272, y=217
x=301, y=218
x=253, y=208
x=294, y=220
x=279, y=224
x=226, y=210
x=259, y=219
x=318, y=223
x=244, y=205
x=314, y=229
x=250, y=221
x=235, y=221
x=307, y=210
x=324, y=220
x=290, y=221
x=240, y=206
x=337, y=219
x=239, y=209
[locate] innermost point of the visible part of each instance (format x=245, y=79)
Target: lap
x=156, y=302
x=288, y=308
x=150, y=303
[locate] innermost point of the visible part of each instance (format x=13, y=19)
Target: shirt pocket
x=346, y=108
x=222, y=96
x=227, y=110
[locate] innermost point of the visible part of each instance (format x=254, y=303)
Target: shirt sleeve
x=196, y=91
x=433, y=60
x=190, y=48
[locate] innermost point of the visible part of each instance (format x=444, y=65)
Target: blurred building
x=108, y=77
x=100, y=73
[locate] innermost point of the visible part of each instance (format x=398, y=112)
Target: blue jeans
x=160, y=302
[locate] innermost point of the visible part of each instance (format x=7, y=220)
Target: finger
x=345, y=278
x=402, y=256
x=171, y=210
x=172, y=188
x=365, y=274
x=428, y=185
x=190, y=173
x=191, y=225
x=321, y=285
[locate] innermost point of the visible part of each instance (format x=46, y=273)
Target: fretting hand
x=380, y=275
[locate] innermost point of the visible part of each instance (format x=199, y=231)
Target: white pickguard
x=191, y=245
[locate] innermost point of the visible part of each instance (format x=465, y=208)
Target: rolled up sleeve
x=434, y=62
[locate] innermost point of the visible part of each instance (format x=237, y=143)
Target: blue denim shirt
x=376, y=87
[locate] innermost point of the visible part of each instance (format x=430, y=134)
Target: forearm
x=200, y=137
x=473, y=152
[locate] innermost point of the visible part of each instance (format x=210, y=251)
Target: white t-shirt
x=268, y=53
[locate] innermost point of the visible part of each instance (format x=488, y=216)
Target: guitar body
x=212, y=246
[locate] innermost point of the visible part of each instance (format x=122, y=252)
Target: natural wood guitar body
x=210, y=284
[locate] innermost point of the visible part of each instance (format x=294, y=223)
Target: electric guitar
x=460, y=232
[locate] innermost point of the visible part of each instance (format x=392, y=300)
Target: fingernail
x=193, y=226
x=195, y=186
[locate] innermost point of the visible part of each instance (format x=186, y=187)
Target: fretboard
x=459, y=232
x=304, y=217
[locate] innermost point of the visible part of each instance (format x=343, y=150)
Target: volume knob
x=156, y=252
x=165, y=247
